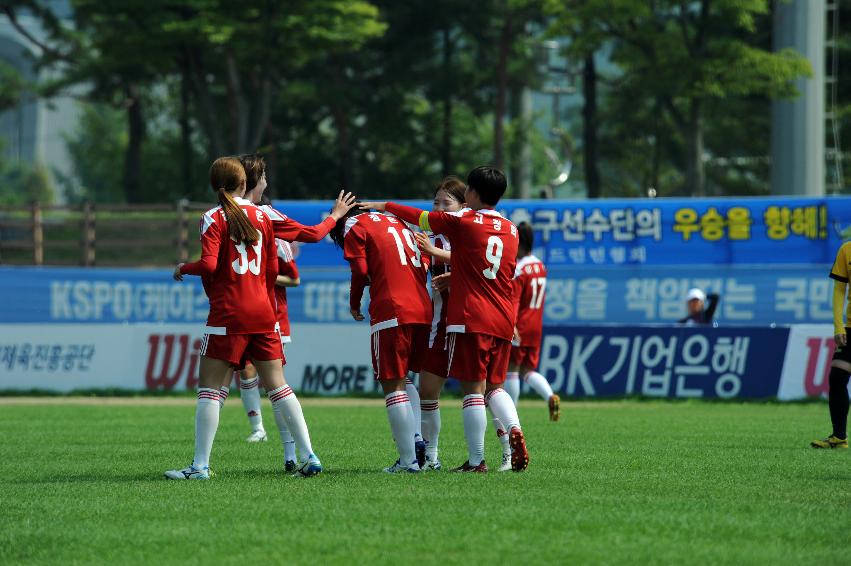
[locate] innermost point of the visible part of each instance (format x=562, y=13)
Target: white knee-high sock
x=249, y=392
x=501, y=434
x=540, y=384
x=502, y=408
x=475, y=423
x=224, y=391
x=512, y=385
x=401, y=419
x=206, y=423
x=290, y=418
x=430, y=411
x=414, y=397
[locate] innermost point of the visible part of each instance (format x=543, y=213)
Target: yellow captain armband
x=424, y=225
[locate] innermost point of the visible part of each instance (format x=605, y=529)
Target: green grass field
x=634, y=482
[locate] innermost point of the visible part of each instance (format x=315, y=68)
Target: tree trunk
x=446, y=138
x=505, y=38
x=695, y=174
x=341, y=123
x=185, y=131
x=133, y=155
x=208, y=113
x=589, y=130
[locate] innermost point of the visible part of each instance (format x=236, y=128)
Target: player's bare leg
x=430, y=387
x=401, y=417
x=542, y=387
x=288, y=414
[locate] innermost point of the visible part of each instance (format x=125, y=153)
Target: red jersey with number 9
x=484, y=253
x=395, y=267
x=239, y=279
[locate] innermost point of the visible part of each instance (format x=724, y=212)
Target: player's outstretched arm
x=288, y=229
x=380, y=206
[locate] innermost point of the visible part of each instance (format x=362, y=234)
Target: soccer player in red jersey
x=530, y=284
x=449, y=197
x=480, y=315
x=255, y=170
x=238, y=267
x=382, y=253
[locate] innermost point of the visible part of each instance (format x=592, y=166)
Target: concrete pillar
x=797, y=126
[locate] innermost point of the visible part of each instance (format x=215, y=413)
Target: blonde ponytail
x=239, y=227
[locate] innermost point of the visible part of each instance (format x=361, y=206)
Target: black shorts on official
x=841, y=353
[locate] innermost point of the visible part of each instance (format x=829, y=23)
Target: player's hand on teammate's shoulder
x=345, y=202
x=441, y=282
x=178, y=276
x=356, y=314
x=373, y=205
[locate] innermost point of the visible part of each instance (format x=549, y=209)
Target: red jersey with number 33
x=484, y=253
x=238, y=278
x=530, y=284
x=395, y=267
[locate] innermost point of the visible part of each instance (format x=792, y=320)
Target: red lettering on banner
x=815, y=345
x=172, y=361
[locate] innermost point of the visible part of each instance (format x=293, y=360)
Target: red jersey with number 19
x=484, y=253
x=239, y=279
x=383, y=249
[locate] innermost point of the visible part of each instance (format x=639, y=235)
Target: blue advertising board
x=673, y=362
x=580, y=295
x=756, y=230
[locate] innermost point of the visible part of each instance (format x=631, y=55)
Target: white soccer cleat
x=506, y=463
x=431, y=465
x=189, y=473
x=399, y=467
x=309, y=467
x=258, y=435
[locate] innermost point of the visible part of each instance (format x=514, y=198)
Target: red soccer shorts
x=398, y=350
x=237, y=349
x=437, y=361
x=525, y=356
x=478, y=357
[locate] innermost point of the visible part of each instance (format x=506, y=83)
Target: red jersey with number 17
x=484, y=253
x=530, y=284
x=383, y=249
x=239, y=279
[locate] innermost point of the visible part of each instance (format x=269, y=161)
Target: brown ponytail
x=226, y=176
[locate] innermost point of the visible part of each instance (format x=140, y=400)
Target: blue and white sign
x=684, y=362
x=750, y=295
x=756, y=230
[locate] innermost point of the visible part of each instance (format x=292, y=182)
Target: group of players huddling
x=490, y=300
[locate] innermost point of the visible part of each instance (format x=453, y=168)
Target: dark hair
x=255, y=166
x=488, y=182
x=228, y=175
x=265, y=200
x=526, y=235
x=336, y=232
x=453, y=186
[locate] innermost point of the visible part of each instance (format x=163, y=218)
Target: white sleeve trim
x=216, y=330
x=456, y=328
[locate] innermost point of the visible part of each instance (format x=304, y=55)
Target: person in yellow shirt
x=840, y=366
